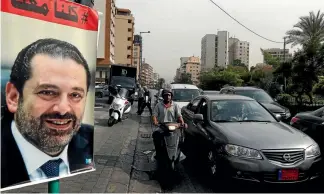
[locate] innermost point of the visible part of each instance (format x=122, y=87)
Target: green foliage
x=185, y=78
x=215, y=80
x=319, y=87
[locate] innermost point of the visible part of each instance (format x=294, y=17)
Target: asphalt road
x=193, y=179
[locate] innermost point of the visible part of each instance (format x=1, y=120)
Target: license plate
x=288, y=174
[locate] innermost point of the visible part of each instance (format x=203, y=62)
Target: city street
x=123, y=164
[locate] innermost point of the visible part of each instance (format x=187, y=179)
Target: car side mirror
x=278, y=117
x=198, y=117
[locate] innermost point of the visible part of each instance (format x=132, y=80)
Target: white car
x=184, y=93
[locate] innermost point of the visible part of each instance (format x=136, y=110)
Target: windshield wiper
x=255, y=121
x=222, y=121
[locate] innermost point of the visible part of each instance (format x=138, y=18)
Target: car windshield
x=258, y=95
x=239, y=111
x=127, y=82
x=184, y=95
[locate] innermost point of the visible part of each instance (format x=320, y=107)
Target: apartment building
x=137, y=53
x=124, y=37
x=183, y=60
x=208, y=51
x=106, y=39
x=239, y=50
x=193, y=67
x=214, y=50
x=156, y=78
x=147, y=75
x=279, y=53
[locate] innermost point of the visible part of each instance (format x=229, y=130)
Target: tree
x=309, y=32
x=269, y=59
x=319, y=87
x=215, y=80
x=185, y=78
x=160, y=83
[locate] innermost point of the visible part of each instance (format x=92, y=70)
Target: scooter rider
x=148, y=103
x=140, y=94
x=165, y=111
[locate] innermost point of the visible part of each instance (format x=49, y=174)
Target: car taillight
x=293, y=120
x=126, y=102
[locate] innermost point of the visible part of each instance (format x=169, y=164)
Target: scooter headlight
x=172, y=128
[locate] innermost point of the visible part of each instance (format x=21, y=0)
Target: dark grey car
x=260, y=96
x=237, y=137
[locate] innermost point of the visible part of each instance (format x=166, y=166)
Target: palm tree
x=309, y=32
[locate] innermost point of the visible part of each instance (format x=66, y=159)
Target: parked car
x=236, y=137
x=101, y=91
x=260, y=96
x=311, y=123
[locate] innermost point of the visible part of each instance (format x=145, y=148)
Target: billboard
x=48, y=62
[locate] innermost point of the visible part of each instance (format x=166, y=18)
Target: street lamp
x=141, y=55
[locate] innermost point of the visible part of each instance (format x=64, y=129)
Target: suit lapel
x=13, y=169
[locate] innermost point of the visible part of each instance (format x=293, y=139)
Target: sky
x=177, y=26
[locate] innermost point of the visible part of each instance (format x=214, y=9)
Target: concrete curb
x=140, y=181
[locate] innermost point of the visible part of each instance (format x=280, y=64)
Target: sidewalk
x=141, y=180
x=114, y=155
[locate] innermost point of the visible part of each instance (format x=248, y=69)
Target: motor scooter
x=119, y=106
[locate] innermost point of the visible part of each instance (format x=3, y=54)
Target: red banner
x=56, y=11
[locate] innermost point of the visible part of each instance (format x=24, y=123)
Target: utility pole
x=284, y=59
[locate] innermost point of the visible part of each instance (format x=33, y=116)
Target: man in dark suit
x=41, y=132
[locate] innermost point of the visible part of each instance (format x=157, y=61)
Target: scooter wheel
x=111, y=121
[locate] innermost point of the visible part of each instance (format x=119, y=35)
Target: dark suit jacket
x=13, y=170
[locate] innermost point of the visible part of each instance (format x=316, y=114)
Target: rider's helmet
x=167, y=91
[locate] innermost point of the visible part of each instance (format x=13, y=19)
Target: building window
x=129, y=47
x=129, y=29
x=129, y=38
x=129, y=21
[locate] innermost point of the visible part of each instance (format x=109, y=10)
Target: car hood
x=259, y=135
x=181, y=104
x=274, y=107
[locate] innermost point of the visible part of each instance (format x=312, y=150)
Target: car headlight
x=244, y=152
x=312, y=151
x=288, y=114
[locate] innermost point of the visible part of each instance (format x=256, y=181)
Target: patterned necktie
x=52, y=168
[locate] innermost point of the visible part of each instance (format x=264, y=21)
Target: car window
x=239, y=111
x=258, y=95
x=185, y=95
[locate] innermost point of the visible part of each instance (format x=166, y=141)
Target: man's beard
x=48, y=140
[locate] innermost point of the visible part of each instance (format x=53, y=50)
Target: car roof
x=183, y=86
x=226, y=97
x=243, y=88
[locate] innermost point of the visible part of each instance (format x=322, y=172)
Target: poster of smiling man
x=48, y=61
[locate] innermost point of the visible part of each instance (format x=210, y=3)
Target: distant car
x=260, y=96
x=101, y=91
x=311, y=123
x=184, y=93
x=236, y=137
x=209, y=92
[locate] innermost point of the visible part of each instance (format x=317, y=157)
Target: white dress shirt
x=34, y=158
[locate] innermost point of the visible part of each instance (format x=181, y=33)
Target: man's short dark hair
x=21, y=69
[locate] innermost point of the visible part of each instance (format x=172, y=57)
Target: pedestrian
x=140, y=94
x=146, y=101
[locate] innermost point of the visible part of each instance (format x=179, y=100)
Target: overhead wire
x=244, y=25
